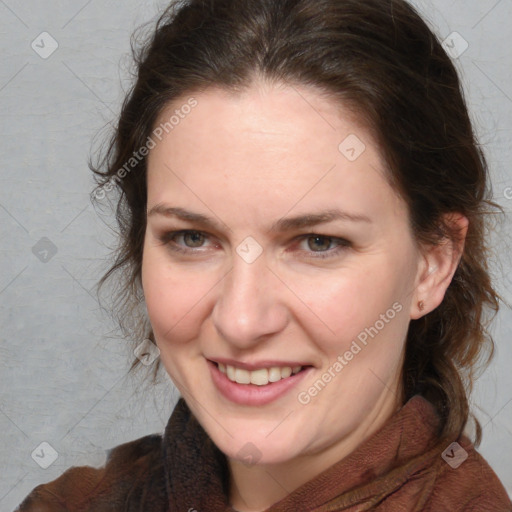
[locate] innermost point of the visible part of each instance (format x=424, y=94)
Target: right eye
x=185, y=240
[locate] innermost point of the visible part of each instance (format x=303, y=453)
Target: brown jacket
x=401, y=468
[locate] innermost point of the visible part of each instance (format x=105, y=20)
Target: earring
x=421, y=305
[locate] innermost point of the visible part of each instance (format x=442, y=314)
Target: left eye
x=322, y=246
x=317, y=243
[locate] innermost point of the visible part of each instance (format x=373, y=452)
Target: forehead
x=268, y=149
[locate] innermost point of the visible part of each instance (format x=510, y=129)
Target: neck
x=255, y=488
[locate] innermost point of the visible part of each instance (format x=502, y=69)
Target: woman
x=302, y=210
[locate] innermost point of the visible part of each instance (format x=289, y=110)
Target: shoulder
x=466, y=482
x=129, y=469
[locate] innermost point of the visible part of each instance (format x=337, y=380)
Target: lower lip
x=251, y=394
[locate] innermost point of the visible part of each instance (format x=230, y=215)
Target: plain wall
x=63, y=365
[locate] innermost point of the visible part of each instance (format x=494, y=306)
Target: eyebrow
x=282, y=225
x=182, y=214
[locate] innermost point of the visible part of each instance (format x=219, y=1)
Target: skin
x=247, y=160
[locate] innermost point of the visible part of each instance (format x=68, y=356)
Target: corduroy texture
x=398, y=469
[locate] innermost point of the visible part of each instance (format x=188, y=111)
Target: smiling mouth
x=260, y=377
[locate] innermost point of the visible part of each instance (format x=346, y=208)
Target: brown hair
x=377, y=57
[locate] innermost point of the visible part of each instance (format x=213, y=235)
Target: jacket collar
x=197, y=475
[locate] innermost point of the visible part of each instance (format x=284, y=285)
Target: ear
x=437, y=267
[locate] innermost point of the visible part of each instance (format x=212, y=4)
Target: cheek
x=342, y=306
x=174, y=298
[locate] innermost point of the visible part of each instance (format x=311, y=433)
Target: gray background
x=63, y=364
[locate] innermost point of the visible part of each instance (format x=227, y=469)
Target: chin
x=252, y=448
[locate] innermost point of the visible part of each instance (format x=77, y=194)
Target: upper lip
x=258, y=365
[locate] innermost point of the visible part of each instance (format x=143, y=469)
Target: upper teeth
x=259, y=377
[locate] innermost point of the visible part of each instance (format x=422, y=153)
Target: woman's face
x=274, y=244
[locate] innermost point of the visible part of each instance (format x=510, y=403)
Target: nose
x=249, y=308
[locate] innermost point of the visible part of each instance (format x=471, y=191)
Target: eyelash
x=342, y=244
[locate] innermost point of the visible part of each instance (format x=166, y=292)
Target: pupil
x=319, y=243
x=194, y=239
